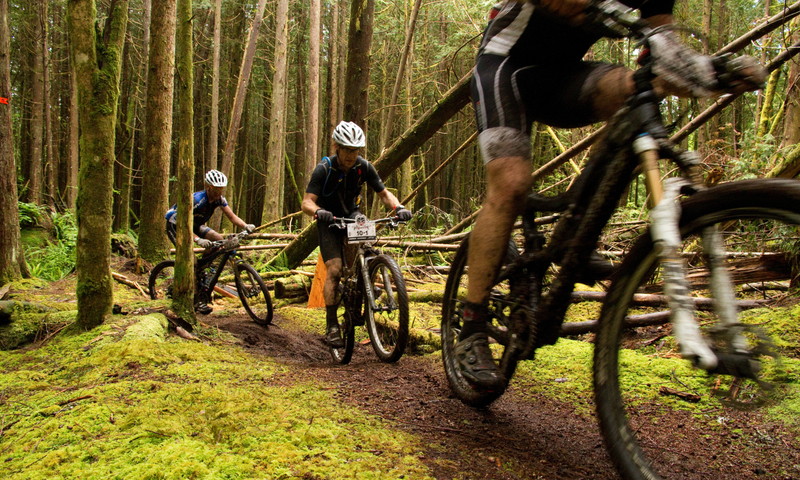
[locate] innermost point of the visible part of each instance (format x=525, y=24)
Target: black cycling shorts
x=331, y=241
x=199, y=230
x=509, y=96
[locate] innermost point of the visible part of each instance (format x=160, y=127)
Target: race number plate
x=362, y=230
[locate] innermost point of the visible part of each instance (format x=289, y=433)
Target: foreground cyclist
x=530, y=68
x=205, y=202
x=335, y=191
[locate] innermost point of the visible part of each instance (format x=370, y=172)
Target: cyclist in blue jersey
x=205, y=203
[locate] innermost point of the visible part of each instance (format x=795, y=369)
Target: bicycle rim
x=387, y=324
x=452, y=314
x=649, y=404
x=161, y=278
x=253, y=293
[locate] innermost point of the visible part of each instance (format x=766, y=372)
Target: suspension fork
x=665, y=220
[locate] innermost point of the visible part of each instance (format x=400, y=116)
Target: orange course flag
x=315, y=298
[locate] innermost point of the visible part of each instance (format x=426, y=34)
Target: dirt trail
x=511, y=440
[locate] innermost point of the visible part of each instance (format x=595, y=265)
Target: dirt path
x=511, y=440
x=516, y=438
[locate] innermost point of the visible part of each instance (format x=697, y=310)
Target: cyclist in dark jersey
x=530, y=68
x=335, y=191
x=205, y=202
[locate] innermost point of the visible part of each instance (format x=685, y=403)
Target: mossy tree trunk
x=157, y=138
x=12, y=262
x=183, y=292
x=97, y=59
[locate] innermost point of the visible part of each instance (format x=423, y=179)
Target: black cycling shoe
x=334, y=337
x=598, y=268
x=202, y=308
x=476, y=364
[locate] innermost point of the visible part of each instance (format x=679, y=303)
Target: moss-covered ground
x=126, y=400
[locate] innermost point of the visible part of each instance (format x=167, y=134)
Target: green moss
x=89, y=406
x=148, y=327
x=27, y=327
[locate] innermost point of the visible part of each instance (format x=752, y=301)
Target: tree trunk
x=97, y=70
x=71, y=188
x=12, y=261
x=312, y=140
x=359, y=40
x=36, y=128
x=50, y=170
x=213, y=129
x=157, y=137
x=386, y=131
x=183, y=290
x=277, y=120
x=791, y=122
x=241, y=91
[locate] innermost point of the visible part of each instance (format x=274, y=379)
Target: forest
x=111, y=111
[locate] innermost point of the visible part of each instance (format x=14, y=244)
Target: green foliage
x=30, y=214
x=55, y=260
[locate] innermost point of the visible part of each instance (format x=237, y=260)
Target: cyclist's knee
x=509, y=179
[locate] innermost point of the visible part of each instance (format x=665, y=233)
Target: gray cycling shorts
x=508, y=97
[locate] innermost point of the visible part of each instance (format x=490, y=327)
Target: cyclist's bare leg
x=509, y=181
x=330, y=292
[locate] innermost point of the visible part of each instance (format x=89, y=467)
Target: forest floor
x=520, y=435
x=529, y=433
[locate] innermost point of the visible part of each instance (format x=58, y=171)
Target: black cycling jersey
x=340, y=192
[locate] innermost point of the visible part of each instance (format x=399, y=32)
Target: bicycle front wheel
x=253, y=293
x=659, y=416
x=350, y=311
x=387, y=323
x=162, y=276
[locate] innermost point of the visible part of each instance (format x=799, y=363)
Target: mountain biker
x=335, y=191
x=205, y=202
x=530, y=68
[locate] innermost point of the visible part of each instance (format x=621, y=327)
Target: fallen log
x=294, y=286
x=652, y=300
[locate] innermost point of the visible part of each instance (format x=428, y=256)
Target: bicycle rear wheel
x=499, y=329
x=161, y=278
x=387, y=324
x=253, y=293
x=649, y=404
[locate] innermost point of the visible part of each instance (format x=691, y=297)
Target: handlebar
x=341, y=222
x=231, y=242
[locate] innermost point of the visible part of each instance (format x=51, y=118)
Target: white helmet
x=216, y=178
x=348, y=134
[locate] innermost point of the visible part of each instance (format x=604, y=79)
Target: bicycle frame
x=363, y=254
x=205, y=285
x=636, y=139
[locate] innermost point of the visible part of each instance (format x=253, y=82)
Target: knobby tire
x=387, y=326
x=629, y=407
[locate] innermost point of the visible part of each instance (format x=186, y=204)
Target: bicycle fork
x=665, y=230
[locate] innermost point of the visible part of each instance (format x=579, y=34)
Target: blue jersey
x=202, y=209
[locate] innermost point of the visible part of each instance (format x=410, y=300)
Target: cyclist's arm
x=388, y=198
x=233, y=217
x=309, y=204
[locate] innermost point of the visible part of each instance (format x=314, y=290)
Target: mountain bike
x=373, y=292
x=250, y=287
x=691, y=249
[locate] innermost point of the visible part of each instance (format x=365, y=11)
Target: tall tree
x=359, y=40
x=153, y=244
x=276, y=146
x=791, y=124
x=12, y=261
x=312, y=140
x=183, y=291
x=97, y=61
x=213, y=130
x=36, y=127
